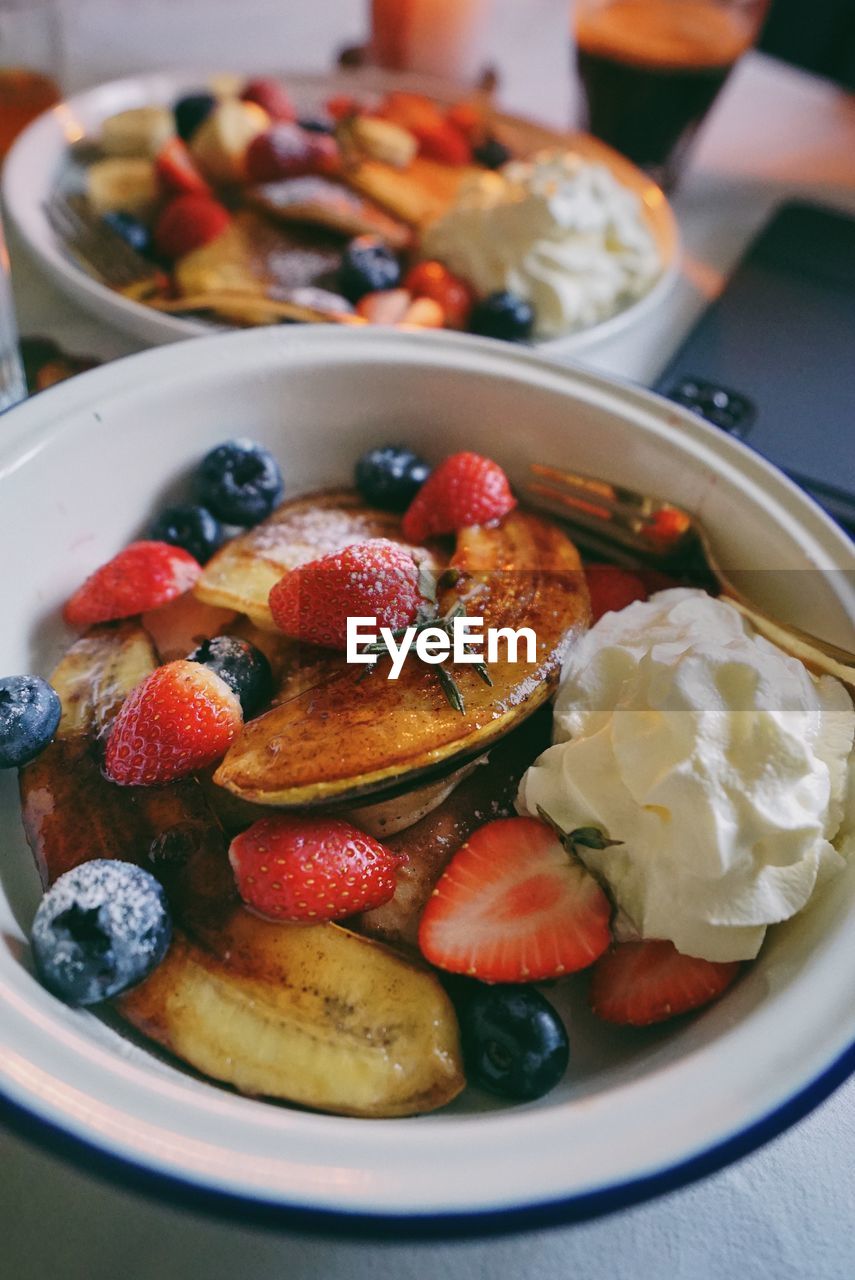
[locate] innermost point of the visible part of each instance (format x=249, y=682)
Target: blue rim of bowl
x=247, y=1210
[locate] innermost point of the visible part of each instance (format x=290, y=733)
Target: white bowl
x=36, y=162
x=83, y=466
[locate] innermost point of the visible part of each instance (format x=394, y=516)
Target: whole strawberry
x=612, y=589
x=294, y=867
x=465, y=489
x=188, y=222
x=374, y=579
x=144, y=576
x=182, y=718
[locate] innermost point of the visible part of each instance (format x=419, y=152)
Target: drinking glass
x=13, y=385
x=651, y=70
x=443, y=38
x=30, y=55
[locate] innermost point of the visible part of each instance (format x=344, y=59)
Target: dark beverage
x=24, y=94
x=652, y=68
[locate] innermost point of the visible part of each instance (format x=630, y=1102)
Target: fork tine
x=599, y=528
x=627, y=526
x=598, y=490
x=120, y=260
x=99, y=250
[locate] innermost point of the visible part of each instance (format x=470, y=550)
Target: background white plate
x=83, y=467
x=40, y=156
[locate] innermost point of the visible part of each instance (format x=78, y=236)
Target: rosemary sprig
x=586, y=837
x=449, y=685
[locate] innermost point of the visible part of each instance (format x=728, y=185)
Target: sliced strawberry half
x=638, y=983
x=146, y=575
x=373, y=579
x=182, y=718
x=177, y=170
x=514, y=906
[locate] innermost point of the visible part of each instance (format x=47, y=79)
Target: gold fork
x=638, y=531
x=100, y=250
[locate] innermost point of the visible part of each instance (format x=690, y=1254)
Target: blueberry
x=193, y=528
x=491, y=153
x=240, y=482
x=514, y=1044
x=313, y=125
x=99, y=930
x=191, y=111
x=243, y=667
x=390, y=477
x=368, y=265
x=29, y=713
x=503, y=315
x=132, y=231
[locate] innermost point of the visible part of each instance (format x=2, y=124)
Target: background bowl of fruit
x=321, y=942
x=170, y=204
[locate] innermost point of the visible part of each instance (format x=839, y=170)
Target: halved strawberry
x=469, y=116
x=182, y=718
x=373, y=579
x=177, y=170
x=299, y=867
x=271, y=96
x=188, y=222
x=466, y=489
x=342, y=105
x=145, y=575
x=612, y=588
x=637, y=983
x=444, y=142
x=514, y=906
x=411, y=110
x=433, y=280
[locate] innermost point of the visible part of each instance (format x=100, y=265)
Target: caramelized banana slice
x=309, y=1013
x=240, y=576
x=345, y=739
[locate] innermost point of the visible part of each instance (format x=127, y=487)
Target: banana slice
x=313, y=1014
x=240, y=576
x=382, y=140
x=123, y=184
x=140, y=131
x=219, y=144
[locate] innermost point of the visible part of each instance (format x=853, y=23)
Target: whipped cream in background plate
x=557, y=230
x=722, y=765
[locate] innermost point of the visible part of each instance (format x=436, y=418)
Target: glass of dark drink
x=651, y=70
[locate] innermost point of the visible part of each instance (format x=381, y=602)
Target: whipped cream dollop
x=557, y=230
x=720, y=762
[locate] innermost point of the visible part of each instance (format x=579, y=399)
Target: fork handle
x=819, y=656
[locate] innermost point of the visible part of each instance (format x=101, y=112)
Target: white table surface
x=786, y=1212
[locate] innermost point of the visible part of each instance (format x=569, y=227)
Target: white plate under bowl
x=40, y=156
x=82, y=468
